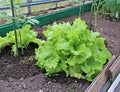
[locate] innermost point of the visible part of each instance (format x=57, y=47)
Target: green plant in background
x=111, y=8
x=72, y=48
x=81, y=8
x=94, y=9
x=4, y=16
x=27, y=34
x=16, y=17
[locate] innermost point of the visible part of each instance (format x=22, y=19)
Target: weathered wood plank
x=101, y=78
x=117, y=89
x=106, y=86
x=115, y=68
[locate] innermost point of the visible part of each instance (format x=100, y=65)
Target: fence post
x=29, y=7
x=56, y=4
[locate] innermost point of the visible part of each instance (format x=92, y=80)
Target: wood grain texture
x=115, y=68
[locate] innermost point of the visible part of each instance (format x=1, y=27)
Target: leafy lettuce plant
x=15, y=19
x=74, y=49
x=27, y=34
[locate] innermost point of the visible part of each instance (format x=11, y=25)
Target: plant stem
x=96, y=8
x=95, y=15
x=91, y=13
x=95, y=25
x=15, y=33
x=22, y=52
x=81, y=9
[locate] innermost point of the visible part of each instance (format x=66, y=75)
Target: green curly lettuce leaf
x=73, y=49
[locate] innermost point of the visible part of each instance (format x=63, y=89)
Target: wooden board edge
x=115, y=68
x=101, y=78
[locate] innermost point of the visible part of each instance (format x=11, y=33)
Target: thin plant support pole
x=96, y=8
x=83, y=8
x=19, y=30
x=56, y=5
x=95, y=15
x=22, y=52
x=80, y=9
x=91, y=14
x=29, y=7
x=15, y=33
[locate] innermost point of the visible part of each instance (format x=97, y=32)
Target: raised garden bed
x=49, y=18
x=19, y=74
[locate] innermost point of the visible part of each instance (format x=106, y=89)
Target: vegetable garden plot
x=24, y=78
x=25, y=73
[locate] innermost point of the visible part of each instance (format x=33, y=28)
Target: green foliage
x=28, y=36
x=73, y=49
x=16, y=17
x=111, y=8
x=4, y=16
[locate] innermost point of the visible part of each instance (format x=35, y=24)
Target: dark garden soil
x=20, y=74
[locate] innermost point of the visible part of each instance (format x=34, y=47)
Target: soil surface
x=20, y=74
